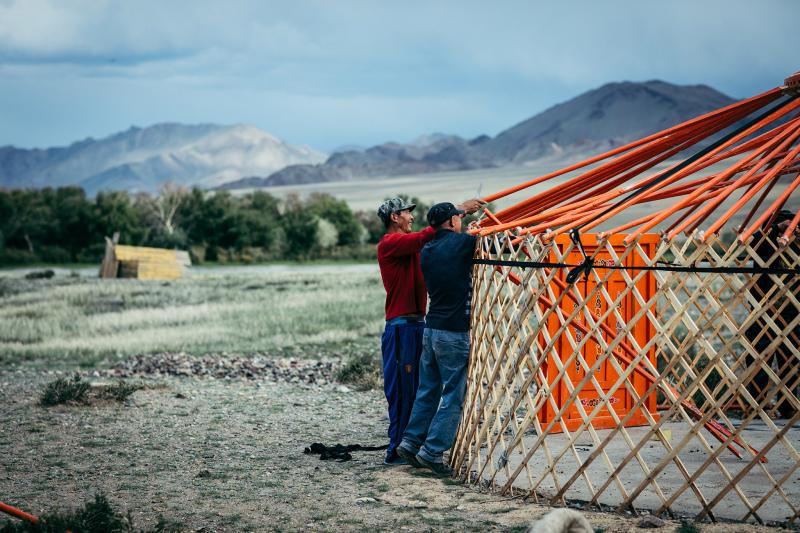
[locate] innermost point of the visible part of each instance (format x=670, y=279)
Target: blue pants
x=440, y=398
x=401, y=346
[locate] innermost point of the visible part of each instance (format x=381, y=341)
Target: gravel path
x=226, y=455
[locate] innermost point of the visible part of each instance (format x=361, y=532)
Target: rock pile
x=311, y=372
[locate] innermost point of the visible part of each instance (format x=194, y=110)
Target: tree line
x=63, y=225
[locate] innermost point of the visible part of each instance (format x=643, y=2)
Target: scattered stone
x=366, y=500
x=651, y=522
x=223, y=366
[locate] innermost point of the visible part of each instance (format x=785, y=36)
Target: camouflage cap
x=393, y=205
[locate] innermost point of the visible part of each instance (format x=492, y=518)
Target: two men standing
x=442, y=342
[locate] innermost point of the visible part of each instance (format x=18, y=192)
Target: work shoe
x=394, y=461
x=440, y=469
x=409, y=457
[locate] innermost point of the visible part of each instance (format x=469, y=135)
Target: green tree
x=260, y=218
x=114, y=211
x=338, y=213
x=372, y=224
x=72, y=220
x=300, y=228
x=189, y=216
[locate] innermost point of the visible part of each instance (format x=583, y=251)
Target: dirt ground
x=227, y=455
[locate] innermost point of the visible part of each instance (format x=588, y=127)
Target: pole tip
x=792, y=83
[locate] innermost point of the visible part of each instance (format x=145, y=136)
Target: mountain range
x=239, y=156
x=141, y=159
x=597, y=120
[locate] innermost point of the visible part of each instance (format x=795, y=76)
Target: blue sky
x=342, y=72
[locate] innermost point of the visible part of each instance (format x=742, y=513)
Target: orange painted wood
x=606, y=376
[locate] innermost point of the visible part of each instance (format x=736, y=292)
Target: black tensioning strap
x=665, y=267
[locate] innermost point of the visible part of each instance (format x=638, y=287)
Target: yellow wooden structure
x=141, y=262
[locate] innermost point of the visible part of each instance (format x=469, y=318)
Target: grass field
x=67, y=320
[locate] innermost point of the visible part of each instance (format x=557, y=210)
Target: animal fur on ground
x=562, y=521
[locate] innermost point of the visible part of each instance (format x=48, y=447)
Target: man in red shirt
x=406, y=303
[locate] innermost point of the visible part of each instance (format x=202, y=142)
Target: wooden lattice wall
x=719, y=356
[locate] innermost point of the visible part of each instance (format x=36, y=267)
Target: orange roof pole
x=691, y=168
x=756, y=206
x=757, y=101
x=752, y=192
x=767, y=154
x=595, y=202
x=625, y=162
x=689, y=213
x=774, y=206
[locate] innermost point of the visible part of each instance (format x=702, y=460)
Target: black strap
x=663, y=267
x=339, y=452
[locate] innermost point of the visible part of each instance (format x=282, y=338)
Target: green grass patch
x=687, y=527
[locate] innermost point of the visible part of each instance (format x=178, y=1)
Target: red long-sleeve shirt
x=398, y=258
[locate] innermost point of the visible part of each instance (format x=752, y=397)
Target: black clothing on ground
x=447, y=268
x=340, y=452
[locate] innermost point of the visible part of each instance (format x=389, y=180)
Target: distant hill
x=140, y=159
x=611, y=115
x=614, y=114
x=389, y=159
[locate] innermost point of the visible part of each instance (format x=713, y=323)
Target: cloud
x=469, y=66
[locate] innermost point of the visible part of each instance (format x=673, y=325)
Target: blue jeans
x=440, y=397
x=401, y=346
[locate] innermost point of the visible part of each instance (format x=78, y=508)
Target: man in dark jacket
x=781, y=310
x=447, y=267
x=406, y=301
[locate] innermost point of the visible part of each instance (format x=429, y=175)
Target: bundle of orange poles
x=754, y=159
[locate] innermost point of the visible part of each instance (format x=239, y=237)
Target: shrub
x=65, y=390
x=120, y=391
x=363, y=371
x=40, y=274
x=12, y=256
x=75, y=391
x=54, y=254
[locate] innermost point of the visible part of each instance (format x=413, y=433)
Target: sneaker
x=394, y=461
x=440, y=469
x=409, y=457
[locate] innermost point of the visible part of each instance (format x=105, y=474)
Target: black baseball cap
x=783, y=214
x=438, y=214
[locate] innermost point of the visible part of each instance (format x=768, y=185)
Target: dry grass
x=84, y=321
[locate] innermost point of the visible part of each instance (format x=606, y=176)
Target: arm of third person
x=471, y=206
